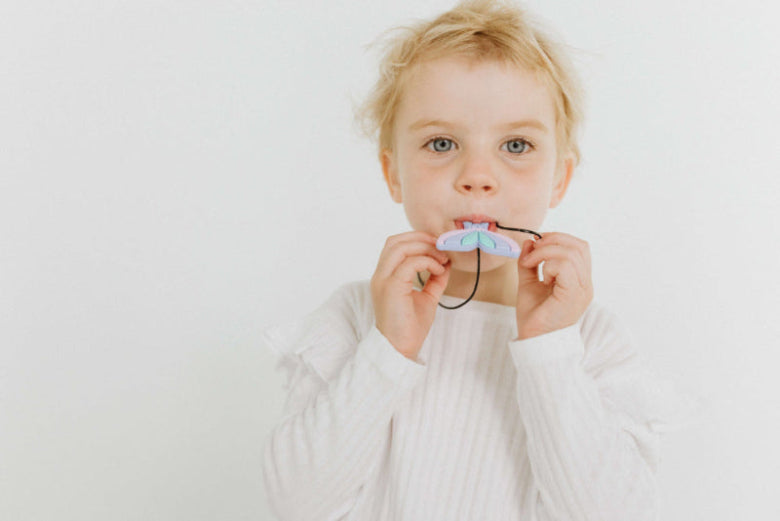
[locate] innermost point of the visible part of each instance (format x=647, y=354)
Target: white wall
x=169, y=172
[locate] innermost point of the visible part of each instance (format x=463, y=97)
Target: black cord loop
x=478, y=264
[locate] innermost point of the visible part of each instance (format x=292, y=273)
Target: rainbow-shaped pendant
x=477, y=235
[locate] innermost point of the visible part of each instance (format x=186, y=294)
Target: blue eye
x=524, y=146
x=438, y=139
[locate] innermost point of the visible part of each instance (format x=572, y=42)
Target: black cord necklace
x=478, y=264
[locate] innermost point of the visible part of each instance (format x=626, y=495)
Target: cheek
x=530, y=188
x=424, y=190
x=425, y=206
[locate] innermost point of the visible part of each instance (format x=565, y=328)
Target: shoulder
x=357, y=294
x=628, y=379
x=609, y=345
x=600, y=319
x=350, y=306
x=325, y=337
x=601, y=323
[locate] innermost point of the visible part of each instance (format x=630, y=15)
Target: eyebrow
x=533, y=123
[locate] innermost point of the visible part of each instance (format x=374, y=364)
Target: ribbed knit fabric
x=562, y=426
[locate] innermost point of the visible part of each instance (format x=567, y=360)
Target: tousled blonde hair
x=477, y=30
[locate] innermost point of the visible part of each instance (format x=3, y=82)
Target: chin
x=467, y=261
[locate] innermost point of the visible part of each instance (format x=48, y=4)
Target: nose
x=476, y=180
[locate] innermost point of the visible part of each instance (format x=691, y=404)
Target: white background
x=170, y=173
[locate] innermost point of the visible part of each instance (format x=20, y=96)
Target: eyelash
x=530, y=146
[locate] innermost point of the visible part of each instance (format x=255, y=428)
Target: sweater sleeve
x=337, y=414
x=593, y=413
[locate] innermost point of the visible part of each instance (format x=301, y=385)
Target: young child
x=529, y=401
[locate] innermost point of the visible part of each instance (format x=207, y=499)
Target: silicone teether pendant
x=477, y=235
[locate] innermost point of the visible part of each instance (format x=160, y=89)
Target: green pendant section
x=486, y=241
x=477, y=237
x=469, y=239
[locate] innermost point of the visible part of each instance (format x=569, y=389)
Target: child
x=529, y=401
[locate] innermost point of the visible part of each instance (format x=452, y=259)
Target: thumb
x=526, y=273
x=436, y=284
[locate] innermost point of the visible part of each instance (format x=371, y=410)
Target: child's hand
x=567, y=290
x=403, y=314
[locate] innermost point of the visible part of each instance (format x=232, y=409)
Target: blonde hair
x=478, y=30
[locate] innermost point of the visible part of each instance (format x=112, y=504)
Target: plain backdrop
x=171, y=172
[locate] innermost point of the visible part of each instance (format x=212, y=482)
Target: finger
x=410, y=236
x=551, y=257
x=556, y=260
x=525, y=250
x=566, y=271
x=392, y=256
x=437, y=283
x=393, y=241
x=564, y=239
x=545, y=252
x=562, y=273
x=403, y=242
x=407, y=271
x=560, y=238
x=527, y=273
x=578, y=252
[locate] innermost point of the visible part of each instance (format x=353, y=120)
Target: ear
x=562, y=179
x=390, y=171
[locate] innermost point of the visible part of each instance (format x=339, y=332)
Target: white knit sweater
x=561, y=426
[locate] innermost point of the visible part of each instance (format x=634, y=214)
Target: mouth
x=476, y=218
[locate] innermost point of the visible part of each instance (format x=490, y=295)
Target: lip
x=476, y=218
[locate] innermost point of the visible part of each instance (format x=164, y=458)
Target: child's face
x=477, y=164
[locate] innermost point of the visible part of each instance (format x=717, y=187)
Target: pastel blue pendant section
x=477, y=235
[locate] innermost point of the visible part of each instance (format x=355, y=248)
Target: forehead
x=473, y=93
